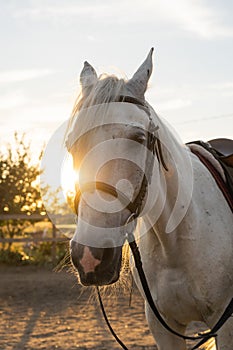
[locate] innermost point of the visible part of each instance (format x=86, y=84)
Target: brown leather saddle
x=222, y=150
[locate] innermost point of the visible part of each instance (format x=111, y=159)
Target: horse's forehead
x=105, y=114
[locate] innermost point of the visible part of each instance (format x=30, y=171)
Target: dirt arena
x=43, y=309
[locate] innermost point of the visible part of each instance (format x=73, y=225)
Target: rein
x=202, y=337
x=135, y=207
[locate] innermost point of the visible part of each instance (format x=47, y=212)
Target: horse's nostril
x=76, y=252
x=108, y=254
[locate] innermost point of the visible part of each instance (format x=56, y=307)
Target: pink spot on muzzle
x=88, y=261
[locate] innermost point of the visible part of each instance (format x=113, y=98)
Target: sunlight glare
x=69, y=177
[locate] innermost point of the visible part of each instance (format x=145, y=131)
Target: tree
x=19, y=186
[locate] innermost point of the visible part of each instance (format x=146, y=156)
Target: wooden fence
x=34, y=217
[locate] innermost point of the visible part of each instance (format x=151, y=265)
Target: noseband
x=154, y=147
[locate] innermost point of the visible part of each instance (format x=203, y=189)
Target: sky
x=45, y=42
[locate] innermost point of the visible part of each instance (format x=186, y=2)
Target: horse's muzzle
x=96, y=266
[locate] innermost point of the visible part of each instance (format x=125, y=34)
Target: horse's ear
x=88, y=76
x=137, y=85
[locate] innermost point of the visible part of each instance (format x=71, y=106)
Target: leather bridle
x=154, y=148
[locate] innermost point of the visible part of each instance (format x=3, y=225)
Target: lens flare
x=69, y=176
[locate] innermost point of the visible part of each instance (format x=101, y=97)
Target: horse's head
x=109, y=142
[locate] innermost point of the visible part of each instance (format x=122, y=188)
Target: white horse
x=184, y=226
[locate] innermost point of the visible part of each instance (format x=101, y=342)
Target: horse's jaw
x=96, y=266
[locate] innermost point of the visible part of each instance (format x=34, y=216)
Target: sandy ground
x=43, y=309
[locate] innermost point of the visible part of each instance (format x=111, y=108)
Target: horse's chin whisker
x=64, y=262
x=123, y=285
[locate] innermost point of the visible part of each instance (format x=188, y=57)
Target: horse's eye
x=138, y=137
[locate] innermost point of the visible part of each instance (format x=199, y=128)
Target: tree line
x=20, y=193
x=19, y=186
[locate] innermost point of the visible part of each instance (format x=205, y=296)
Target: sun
x=69, y=177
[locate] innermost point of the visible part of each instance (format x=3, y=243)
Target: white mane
x=105, y=90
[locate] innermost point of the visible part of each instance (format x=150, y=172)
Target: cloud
x=224, y=88
x=9, y=101
x=171, y=98
x=18, y=105
x=63, y=10
x=14, y=76
x=172, y=104
x=193, y=16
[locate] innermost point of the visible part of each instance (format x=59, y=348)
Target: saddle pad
x=222, y=173
x=196, y=148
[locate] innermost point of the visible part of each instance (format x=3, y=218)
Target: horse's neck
x=175, y=189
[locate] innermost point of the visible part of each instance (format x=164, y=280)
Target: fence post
x=54, y=243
